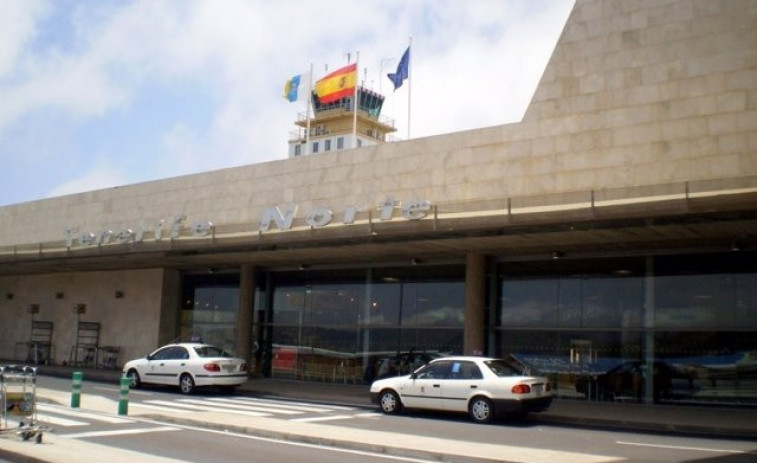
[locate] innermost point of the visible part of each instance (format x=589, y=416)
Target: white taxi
x=482, y=387
x=187, y=365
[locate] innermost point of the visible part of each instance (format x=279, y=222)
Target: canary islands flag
x=338, y=84
x=297, y=88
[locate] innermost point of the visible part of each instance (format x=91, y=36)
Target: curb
x=691, y=430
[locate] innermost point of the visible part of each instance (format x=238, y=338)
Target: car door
x=465, y=379
x=166, y=365
x=423, y=389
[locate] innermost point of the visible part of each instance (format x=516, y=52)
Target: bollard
x=123, y=400
x=76, y=389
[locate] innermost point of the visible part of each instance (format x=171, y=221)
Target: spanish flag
x=338, y=84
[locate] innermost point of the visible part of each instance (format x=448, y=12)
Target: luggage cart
x=18, y=391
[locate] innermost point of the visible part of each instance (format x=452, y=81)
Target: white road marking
x=157, y=408
x=58, y=421
x=119, y=432
x=228, y=403
x=296, y=405
x=322, y=418
x=679, y=447
x=82, y=414
x=204, y=408
x=279, y=405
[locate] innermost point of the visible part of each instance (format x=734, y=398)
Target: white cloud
x=475, y=64
x=17, y=26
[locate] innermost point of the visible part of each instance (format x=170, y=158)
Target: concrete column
x=245, y=311
x=170, y=306
x=474, y=337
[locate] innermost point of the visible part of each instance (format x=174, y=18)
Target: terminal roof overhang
x=682, y=224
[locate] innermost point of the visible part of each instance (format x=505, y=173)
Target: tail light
x=521, y=389
x=547, y=387
x=212, y=367
x=243, y=367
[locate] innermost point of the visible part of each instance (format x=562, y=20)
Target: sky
x=102, y=93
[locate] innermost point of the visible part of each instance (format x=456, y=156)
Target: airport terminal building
x=608, y=240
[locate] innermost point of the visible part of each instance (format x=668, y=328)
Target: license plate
x=538, y=389
x=229, y=368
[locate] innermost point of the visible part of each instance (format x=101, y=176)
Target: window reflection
x=209, y=309
x=668, y=329
x=702, y=301
x=573, y=301
x=710, y=367
x=342, y=326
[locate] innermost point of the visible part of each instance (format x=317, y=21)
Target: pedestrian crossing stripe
x=58, y=421
x=314, y=419
x=82, y=414
x=235, y=405
x=157, y=408
x=205, y=408
x=307, y=407
x=323, y=418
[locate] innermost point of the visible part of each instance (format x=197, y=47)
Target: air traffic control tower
x=331, y=125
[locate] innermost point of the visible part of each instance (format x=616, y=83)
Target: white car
x=482, y=387
x=187, y=365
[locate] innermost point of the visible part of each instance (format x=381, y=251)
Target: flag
x=338, y=84
x=402, y=70
x=297, y=88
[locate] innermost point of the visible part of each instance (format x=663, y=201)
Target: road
x=197, y=443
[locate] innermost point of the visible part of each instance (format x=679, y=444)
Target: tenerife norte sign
x=273, y=216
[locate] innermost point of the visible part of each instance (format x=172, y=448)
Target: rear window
x=211, y=351
x=502, y=369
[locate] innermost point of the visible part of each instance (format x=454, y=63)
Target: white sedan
x=482, y=387
x=187, y=365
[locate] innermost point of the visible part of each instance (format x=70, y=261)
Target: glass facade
x=341, y=326
x=209, y=309
x=666, y=329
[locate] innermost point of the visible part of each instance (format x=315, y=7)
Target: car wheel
x=390, y=402
x=481, y=410
x=186, y=384
x=134, y=380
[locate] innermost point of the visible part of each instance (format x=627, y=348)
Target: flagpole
x=355, y=105
x=307, y=112
x=409, y=83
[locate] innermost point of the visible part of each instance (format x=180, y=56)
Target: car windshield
x=211, y=351
x=502, y=369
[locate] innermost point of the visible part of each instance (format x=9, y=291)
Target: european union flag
x=402, y=70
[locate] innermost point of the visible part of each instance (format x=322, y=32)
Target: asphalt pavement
x=731, y=422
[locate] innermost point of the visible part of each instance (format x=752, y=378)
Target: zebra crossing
x=257, y=407
x=62, y=417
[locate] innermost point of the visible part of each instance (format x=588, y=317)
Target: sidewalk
x=721, y=422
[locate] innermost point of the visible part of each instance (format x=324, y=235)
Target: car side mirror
x=148, y=357
x=414, y=375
